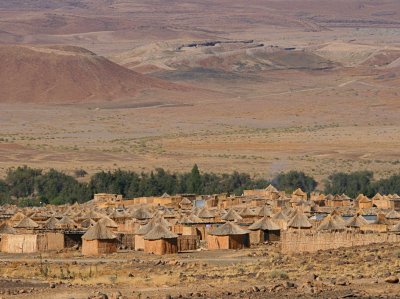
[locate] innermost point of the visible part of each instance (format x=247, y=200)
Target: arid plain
x=255, y=86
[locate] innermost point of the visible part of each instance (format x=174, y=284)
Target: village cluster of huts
x=172, y=224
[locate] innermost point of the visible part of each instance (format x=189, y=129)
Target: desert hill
x=65, y=74
x=241, y=56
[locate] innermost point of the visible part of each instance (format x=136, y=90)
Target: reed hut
x=99, y=240
x=160, y=240
x=264, y=230
x=228, y=236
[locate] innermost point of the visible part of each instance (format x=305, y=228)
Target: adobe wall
x=161, y=247
x=139, y=242
x=301, y=241
x=22, y=243
x=217, y=242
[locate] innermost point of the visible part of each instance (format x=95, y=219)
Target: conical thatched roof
x=264, y=223
x=338, y=218
x=146, y=228
x=356, y=221
x=364, y=199
x=27, y=223
x=108, y=222
x=329, y=223
x=229, y=228
x=205, y=213
x=280, y=216
x=246, y=212
x=6, y=229
x=195, y=219
x=299, y=192
x=158, y=232
x=185, y=220
x=345, y=197
x=160, y=219
x=232, y=215
x=118, y=215
x=165, y=195
x=299, y=220
x=377, y=196
x=17, y=217
x=396, y=228
x=265, y=211
x=98, y=232
x=141, y=214
x=87, y=223
x=393, y=214
x=51, y=223
x=185, y=201
x=67, y=222
x=93, y=215
x=271, y=188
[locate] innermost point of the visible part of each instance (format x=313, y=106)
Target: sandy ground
x=252, y=273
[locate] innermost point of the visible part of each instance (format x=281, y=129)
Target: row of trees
x=361, y=182
x=29, y=186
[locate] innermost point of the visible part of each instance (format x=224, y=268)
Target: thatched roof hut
x=228, y=236
x=88, y=223
x=356, y=221
x=26, y=223
x=98, y=232
x=99, y=240
x=159, y=231
x=232, y=215
x=247, y=213
x=108, y=222
x=265, y=211
x=51, y=223
x=160, y=240
x=67, y=223
x=6, y=229
x=142, y=214
x=392, y=214
x=263, y=230
x=396, y=228
x=330, y=224
x=264, y=223
x=299, y=221
x=205, y=213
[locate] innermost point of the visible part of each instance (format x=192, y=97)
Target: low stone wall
x=295, y=242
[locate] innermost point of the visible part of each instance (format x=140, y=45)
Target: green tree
x=194, y=184
x=295, y=179
x=21, y=181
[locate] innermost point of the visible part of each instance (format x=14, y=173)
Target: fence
x=295, y=242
